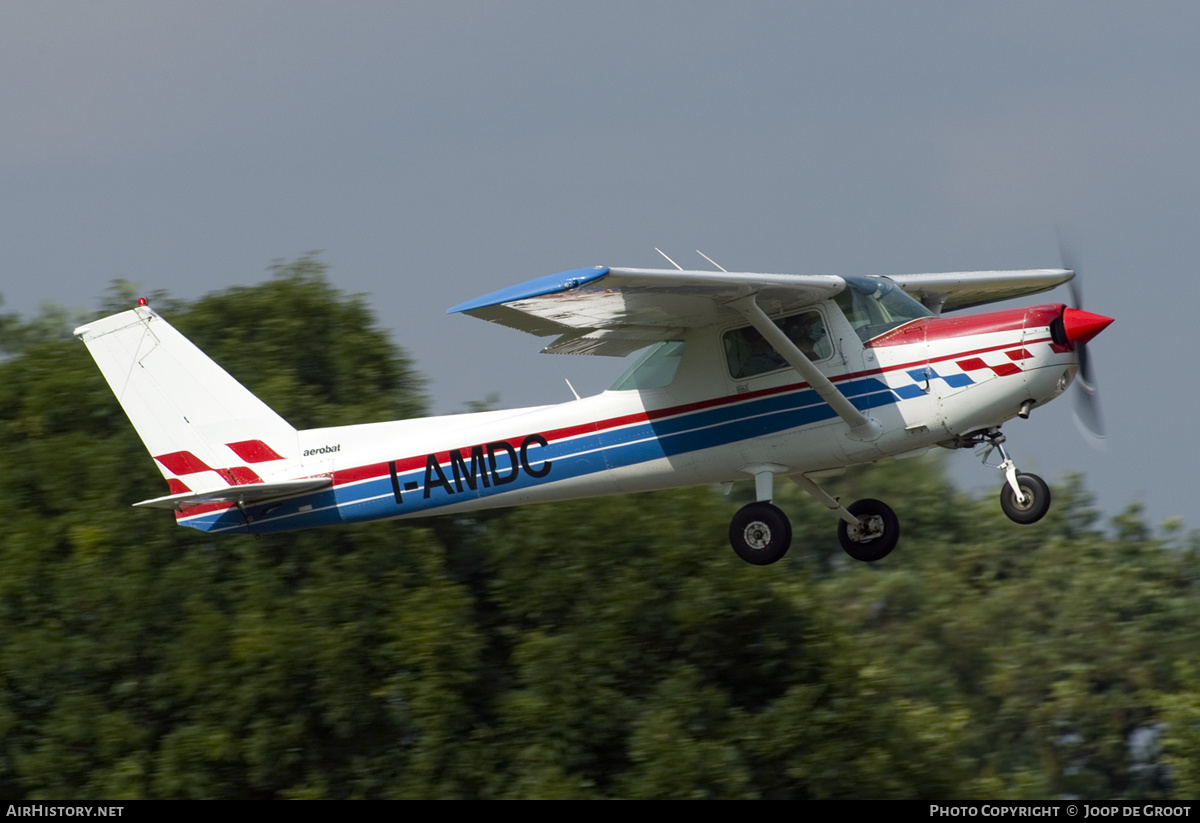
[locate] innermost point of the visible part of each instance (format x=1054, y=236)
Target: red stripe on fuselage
x=381, y=469
x=945, y=328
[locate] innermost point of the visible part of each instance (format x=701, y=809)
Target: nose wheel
x=1029, y=503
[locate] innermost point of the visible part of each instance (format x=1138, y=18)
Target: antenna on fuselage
x=714, y=262
x=572, y=388
x=669, y=260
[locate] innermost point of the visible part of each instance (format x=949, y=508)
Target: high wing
x=949, y=291
x=613, y=311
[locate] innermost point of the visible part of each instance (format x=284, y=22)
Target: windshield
x=874, y=305
x=653, y=370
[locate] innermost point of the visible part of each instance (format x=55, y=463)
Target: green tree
x=601, y=648
x=140, y=659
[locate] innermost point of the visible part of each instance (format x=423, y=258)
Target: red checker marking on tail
x=254, y=451
x=183, y=462
x=240, y=475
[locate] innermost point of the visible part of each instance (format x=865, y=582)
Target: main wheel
x=1037, y=500
x=877, y=532
x=760, y=533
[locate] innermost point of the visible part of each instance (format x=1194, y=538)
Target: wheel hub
x=867, y=529
x=1025, y=502
x=757, y=535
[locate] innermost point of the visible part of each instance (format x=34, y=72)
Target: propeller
x=1080, y=327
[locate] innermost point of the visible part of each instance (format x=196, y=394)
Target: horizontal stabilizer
x=246, y=494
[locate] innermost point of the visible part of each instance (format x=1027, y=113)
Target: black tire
x=874, y=546
x=1038, y=493
x=760, y=533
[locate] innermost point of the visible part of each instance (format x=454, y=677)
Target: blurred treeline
x=603, y=648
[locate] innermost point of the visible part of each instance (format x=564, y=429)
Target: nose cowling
x=1080, y=326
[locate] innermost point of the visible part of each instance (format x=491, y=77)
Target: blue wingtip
x=550, y=284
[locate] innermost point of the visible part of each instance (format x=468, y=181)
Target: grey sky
x=438, y=151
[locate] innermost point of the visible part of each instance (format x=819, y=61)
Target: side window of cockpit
x=749, y=354
x=875, y=305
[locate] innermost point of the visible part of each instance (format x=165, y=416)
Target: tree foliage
x=602, y=648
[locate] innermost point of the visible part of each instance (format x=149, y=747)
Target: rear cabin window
x=653, y=370
x=749, y=354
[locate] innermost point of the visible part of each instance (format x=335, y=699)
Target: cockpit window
x=653, y=370
x=874, y=305
x=749, y=354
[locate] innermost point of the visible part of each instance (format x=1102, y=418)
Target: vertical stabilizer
x=205, y=429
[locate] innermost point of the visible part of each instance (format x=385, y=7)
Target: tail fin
x=205, y=429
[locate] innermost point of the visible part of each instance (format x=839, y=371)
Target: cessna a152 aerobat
x=745, y=377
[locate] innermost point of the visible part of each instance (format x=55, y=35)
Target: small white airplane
x=746, y=377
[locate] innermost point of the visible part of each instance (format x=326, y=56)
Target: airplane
x=745, y=378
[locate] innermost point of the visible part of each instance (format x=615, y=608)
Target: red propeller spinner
x=1081, y=326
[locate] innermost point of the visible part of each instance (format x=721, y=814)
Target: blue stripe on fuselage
x=576, y=456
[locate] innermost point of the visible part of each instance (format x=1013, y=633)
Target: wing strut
x=861, y=426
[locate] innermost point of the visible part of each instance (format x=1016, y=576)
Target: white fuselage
x=927, y=382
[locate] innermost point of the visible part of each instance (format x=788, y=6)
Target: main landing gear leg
x=761, y=534
x=1024, y=498
x=868, y=530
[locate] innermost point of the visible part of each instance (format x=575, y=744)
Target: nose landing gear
x=1025, y=498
